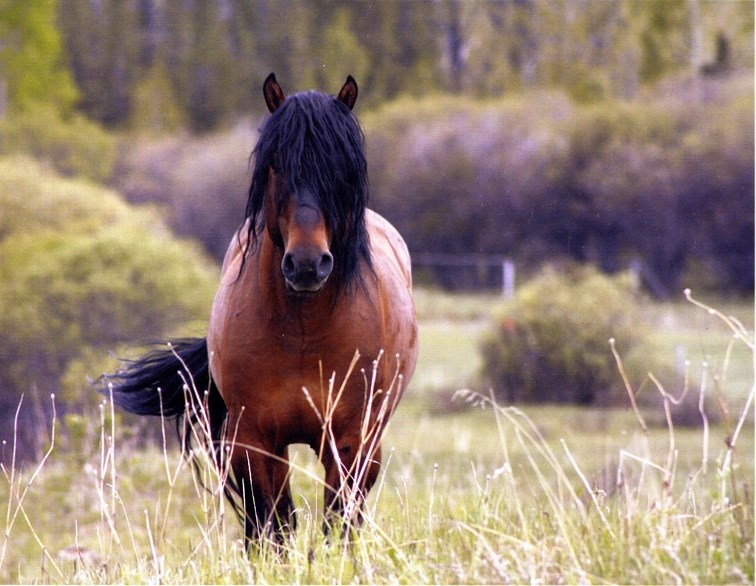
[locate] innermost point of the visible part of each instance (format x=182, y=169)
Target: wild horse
x=314, y=286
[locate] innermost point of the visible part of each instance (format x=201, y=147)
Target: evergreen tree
x=32, y=71
x=154, y=106
x=210, y=68
x=123, y=42
x=376, y=25
x=217, y=52
x=243, y=30
x=341, y=53
x=664, y=39
x=83, y=32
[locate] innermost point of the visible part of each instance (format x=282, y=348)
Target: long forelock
x=317, y=144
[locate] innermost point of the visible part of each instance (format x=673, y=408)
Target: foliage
x=671, y=169
x=199, y=182
x=342, y=53
x=74, y=146
x=37, y=95
x=35, y=198
x=453, y=175
x=32, y=68
x=62, y=292
x=216, y=53
x=550, y=344
x=666, y=179
x=81, y=270
x=615, y=133
x=154, y=110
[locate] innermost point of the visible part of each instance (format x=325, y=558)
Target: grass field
x=471, y=492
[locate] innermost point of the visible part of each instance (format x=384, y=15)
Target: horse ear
x=348, y=94
x=273, y=93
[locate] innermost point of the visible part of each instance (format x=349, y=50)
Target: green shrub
x=74, y=146
x=201, y=182
x=34, y=198
x=81, y=273
x=550, y=344
x=64, y=292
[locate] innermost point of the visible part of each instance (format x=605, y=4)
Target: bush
x=201, y=182
x=666, y=179
x=82, y=273
x=62, y=294
x=34, y=198
x=75, y=147
x=670, y=185
x=550, y=344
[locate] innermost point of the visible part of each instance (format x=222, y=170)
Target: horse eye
x=281, y=196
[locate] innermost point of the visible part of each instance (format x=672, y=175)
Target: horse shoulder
x=224, y=303
x=388, y=246
x=391, y=262
x=235, y=250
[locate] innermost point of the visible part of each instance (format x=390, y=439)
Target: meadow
x=471, y=491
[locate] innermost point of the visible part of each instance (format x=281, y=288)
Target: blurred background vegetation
x=606, y=133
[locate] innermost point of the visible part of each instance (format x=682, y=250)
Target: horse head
x=309, y=186
x=297, y=225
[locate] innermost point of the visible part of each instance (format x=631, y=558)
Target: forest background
x=604, y=131
x=615, y=133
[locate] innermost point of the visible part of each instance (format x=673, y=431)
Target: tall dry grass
x=663, y=512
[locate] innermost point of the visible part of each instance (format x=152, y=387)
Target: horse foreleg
x=349, y=475
x=263, y=481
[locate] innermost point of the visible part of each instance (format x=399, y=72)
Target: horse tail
x=174, y=381
x=171, y=381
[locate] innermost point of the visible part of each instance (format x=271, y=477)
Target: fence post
x=508, y=278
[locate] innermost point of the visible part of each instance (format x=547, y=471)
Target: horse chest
x=265, y=359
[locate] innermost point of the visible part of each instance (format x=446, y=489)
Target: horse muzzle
x=306, y=271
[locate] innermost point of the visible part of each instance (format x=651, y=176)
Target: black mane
x=316, y=143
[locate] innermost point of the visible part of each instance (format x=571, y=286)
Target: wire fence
x=467, y=271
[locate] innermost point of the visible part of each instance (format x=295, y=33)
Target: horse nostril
x=306, y=271
x=287, y=266
x=326, y=265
